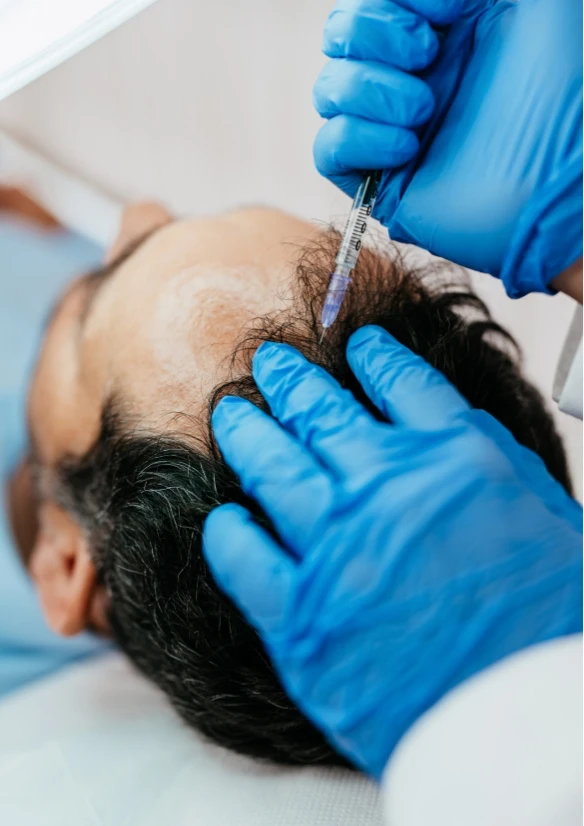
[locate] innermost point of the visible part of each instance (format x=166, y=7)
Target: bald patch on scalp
x=215, y=305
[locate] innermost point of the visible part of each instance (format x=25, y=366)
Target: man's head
x=134, y=361
x=154, y=331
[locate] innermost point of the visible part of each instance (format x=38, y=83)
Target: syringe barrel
x=357, y=222
x=350, y=248
x=338, y=286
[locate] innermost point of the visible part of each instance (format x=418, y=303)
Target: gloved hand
x=497, y=182
x=411, y=555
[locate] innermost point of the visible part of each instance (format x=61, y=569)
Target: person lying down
x=123, y=461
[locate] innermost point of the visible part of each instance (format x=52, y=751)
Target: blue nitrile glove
x=497, y=182
x=412, y=554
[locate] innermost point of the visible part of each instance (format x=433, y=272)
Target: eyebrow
x=94, y=281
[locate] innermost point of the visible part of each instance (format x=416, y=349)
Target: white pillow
x=98, y=745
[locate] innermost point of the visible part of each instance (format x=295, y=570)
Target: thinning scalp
x=143, y=498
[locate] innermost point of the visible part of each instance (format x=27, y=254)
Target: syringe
x=348, y=254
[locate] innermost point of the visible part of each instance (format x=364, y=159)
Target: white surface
x=36, y=35
x=100, y=741
x=207, y=106
x=571, y=398
x=504, y=748
x=204, y=105
x=69, y=198
x=37, y=789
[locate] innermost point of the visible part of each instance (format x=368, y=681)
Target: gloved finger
x=406, y=389
x=347, y=143
x=309, y=403
x=373, y=91
x=530, y=467
x=442, y=12
x=249, y=566
x=380, y=30
x=292, y=488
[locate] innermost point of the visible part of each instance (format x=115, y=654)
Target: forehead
x=161, y=333
x=265, y=237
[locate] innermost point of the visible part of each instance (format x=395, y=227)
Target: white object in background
x=37, y=35
x=108, y=739
x=502, y=749
x=75, y=203
x=567, y=389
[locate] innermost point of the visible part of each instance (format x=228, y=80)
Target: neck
x=570, y=281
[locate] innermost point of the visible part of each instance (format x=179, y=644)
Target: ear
x=63, y=571
x=138, y=220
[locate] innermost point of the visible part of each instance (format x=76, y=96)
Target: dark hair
x=143, y=497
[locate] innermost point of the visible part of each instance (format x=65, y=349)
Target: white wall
x=206, y=106
x=203, y=105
